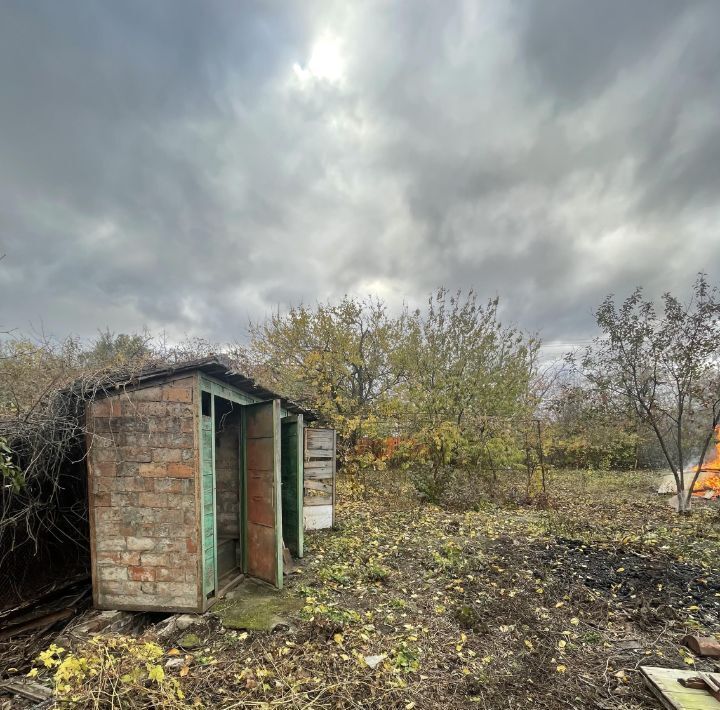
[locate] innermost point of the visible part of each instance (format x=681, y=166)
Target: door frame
x=215, y=388
x=297, y=420
x=277, y=492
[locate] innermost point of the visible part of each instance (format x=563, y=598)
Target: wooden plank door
x=292, y=483
x=263, y=509
x=208, y=506
x=319, y=499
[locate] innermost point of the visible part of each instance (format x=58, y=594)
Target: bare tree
x=667, y=367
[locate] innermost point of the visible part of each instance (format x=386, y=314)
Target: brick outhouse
x=195, y=476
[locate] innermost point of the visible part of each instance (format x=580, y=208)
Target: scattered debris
x=630, y=644
x=41, y=622
x=374, y=661
x=667, y=484
x=26, y=688
x=703, y=681
x=185, y=621
x=424, y=607
x=682, y=690
x=704, y=646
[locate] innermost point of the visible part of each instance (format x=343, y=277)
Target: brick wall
x=227, y=465
x=141, y=461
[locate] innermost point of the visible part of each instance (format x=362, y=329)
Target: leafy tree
x=110, y=348
x=588, y=430
x=465, y=369
x=666, y=366
x=343, y=360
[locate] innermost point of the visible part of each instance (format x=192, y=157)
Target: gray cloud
x=186, y=165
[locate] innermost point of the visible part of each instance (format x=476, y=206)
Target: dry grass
x=507, y=607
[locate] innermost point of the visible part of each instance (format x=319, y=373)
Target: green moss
x=189, y=641
x=256, y=607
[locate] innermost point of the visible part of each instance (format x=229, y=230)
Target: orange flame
x=710, y=482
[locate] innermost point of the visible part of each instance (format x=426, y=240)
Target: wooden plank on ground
x=665, y=686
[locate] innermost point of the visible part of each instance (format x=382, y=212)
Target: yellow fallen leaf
x=561, y=668
x=184, y=671
x=173, y=652
x=338, y=638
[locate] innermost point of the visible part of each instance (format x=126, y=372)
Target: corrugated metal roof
x=219, y=367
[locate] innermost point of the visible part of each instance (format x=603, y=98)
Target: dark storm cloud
x=577, y=48
x=189, y=165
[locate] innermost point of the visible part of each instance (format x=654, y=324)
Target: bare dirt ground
x=410, y=606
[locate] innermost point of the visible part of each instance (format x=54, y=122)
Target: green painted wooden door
x=263, y=510
x=208, y=506
x=292, y=483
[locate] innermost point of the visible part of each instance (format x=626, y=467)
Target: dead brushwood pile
x=44, y=390
x=409, y=607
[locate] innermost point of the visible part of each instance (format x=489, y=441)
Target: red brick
x=152, y=409
x=101, y=500
x=136, y=453
x=168, y=515
x=105, y=455
x=123, y=500
x=153, y=500
x=179, y=470
x=142, y=574
x=112, y=573
x=104, y=469
x=166, y=455
x=118, y=558
x=168, y=485
x=177, y=394
x=191, y=545
x=105, y=407
x=140, y=543
x=153, y=469
x=170, y=574
x=147, y=394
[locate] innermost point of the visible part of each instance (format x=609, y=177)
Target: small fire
x=708, y=483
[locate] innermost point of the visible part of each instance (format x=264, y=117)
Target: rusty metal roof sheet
x=217, y=366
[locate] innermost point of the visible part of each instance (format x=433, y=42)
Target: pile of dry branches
x=44, y=389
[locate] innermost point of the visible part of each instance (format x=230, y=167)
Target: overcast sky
x=186, y=165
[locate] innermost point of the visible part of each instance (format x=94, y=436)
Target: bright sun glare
x=325, y=61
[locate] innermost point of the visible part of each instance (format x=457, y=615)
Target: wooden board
x=292, y=483
x=319, y=478
x=263, y=510
x=664, y=684
x=208, y=507
x=319, y=517
x=319, y=440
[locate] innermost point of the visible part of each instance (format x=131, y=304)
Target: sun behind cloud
x=326, y=62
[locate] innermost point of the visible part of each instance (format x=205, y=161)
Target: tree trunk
x=684, y=499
